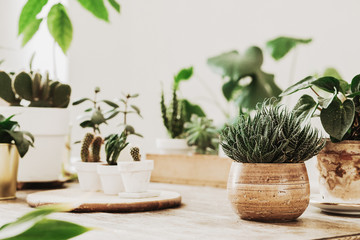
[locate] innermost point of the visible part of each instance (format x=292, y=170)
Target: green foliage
x=182, y=75
x=58, y=21
x=273, y=135
x=9, y=134
x=114, y=145
x=35, y=225
x=33, y=87
x=203, y=134
x=235, y=68
x=135, y=154
x=337, y=101
x=280, y=46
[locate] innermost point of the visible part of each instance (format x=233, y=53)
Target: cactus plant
x=94, y=143
x=135, y=153
x=114, y=145
x=33, y=87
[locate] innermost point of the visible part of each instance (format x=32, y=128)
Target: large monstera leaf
x=235, y=67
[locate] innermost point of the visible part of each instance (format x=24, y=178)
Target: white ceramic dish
x=337, y=208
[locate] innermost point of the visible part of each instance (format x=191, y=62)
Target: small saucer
x=337, y=208
x=147, y=194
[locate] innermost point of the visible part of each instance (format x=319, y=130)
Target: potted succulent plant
x=175, y=115
x=136, y=174
x=338, y=103
x=268, y=180
x=94, y=117
x=12, y=144
x=41, y=105
x=110, y=177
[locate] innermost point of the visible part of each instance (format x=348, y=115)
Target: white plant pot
x=89, y=179
x=50, y=126
x=136, y=175
x=172, y=146
x=110, y=178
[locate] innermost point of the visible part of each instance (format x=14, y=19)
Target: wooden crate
x=203, y=170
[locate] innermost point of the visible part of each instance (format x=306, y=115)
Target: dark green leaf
x=183, y=74
x=338, y=117
x=229, y=88
x=6, y=91
x=344, y=86
x=328, y=84
x=29, y=12
x=191, y=109
x=115, y=5
x=332, y=72
x=81, y=101
x=302, y=84
x=280, y=46
x=60, y=26
x=97, y=117
x=111, y=114
x=110, y=103
x=96, y=7
x=30, y=30
x=137, y=110
x=88, y=110
x=305, y=107
x=87, y=123
x=23, y=86
x=353, y=95
x=355, y=84
x=134, y=95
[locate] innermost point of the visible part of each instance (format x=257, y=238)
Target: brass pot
x=9, y=161
x=339, y=167
x=268, y=192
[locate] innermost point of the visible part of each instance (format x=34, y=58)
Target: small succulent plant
x=93, y=143
x=9, y=134
x=135, y=153
x=273, y=135
x=203, y=134
x=114, y=145
x=35, y=88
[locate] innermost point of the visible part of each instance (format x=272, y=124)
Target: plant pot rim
x=343, y=142
x=26, y=107
x=266, y=164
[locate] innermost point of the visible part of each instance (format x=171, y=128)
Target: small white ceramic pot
x=136, y=175
x=173, y=146
x=110, y=178
x=88, y=177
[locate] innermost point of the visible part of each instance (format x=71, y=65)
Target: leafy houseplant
x=238, y=68
x=113, y=147
x=269, y=151
x=338, y=103
x=12, y=144
x=202, y=134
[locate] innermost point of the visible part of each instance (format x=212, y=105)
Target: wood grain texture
x=268, y=192
x=205, y=213
x=201, y=170
x=99, y=202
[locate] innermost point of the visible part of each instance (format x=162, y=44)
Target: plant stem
x=315, y=92
x=125, y=111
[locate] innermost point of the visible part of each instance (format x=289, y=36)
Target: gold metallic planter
x=268, y=192
x=9, y=161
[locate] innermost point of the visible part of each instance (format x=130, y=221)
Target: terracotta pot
x=268, y=191
x=9, y=160
x=339, y=167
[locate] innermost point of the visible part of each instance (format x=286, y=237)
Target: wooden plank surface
x=200, y=170
x=204, y=214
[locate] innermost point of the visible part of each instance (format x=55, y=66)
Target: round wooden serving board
x=99, y=202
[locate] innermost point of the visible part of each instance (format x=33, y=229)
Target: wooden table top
x=205, y=214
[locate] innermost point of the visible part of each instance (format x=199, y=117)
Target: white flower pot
x=89, y=179
x=50, y=126
x=172, y=146
x=136, y=175
x=110, y=178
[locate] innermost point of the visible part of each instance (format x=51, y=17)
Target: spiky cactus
x=38, y=90
x=174, y=116
x=135, y=153
x=94, y=143
x=274, y=135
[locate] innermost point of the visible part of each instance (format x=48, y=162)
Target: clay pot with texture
x=268, y=192
x=339, y=167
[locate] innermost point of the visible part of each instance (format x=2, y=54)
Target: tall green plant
x=58, y=21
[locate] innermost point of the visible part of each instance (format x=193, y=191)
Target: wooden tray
x=99, y=202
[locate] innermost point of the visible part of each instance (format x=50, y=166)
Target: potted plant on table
x=268, y=180
x=174, y=115
x=338, y=104
x=93, y=118
x=41, y=105
x=12, y=144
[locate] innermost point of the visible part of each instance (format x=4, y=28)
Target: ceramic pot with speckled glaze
x=269, y=192
x=339, y=167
